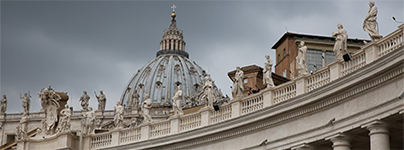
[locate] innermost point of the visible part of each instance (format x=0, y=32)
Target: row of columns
x=172, y=45
x=378, y=133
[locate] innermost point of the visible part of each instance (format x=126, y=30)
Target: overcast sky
x=94, y=45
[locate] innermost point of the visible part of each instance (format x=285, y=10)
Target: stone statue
x=267, y=72
x=50, y=103
x=26, y=102
x=3, y=107
x=238, y=85
x=22, y=127
x=146, y=106
x=84, y=100
x=340, y=46
x=177, y=101
x=89, y=121
x=118, y=112
x=64, y=119
x=208, y=96
x=101, y=101
x=370, y=23
x=301, y=60
x=135, y=100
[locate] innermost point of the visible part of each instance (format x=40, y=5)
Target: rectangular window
x=329, y=57
x=314, y=60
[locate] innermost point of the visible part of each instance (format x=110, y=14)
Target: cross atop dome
x=173, y=7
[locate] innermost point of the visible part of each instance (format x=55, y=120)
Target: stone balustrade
x=318, y=79
x=223, y=114
x=249, y=104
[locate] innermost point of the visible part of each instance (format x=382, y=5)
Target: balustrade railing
x=101, y=140
x=190, y=121
x=130, y=135
x=284, y=92
x=318, y=79
x=251, y=104
x=221, y=115
x=390, y=42
x=358, y=60
x=160, y=129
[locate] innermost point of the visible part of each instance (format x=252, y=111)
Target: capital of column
x=377, y=127
x=339, y=140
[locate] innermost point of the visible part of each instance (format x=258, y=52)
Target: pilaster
x=335, y=70
x=301, y=84
x=175, y=124
x=115, y=137
x=268, y=96
x=145, y=132
x=205, y=116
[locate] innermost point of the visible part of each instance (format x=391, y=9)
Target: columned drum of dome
x=171, y=67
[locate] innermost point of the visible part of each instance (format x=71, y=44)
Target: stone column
x=340, y=142
x=176, y=44
x=180, y=45
x=171, y=44
x=379, y=135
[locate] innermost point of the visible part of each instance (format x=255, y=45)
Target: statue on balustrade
x=89, y=121
x=208, y=97
x=177, y=101
x=3, y=107
x=146, y=106
x=238, y=85
x=301, y=60
x=22, y=127
x=370, y=23
x=101, y=101
x=50, y=103
x=64, y=119
x=84, y=99
x=135, y=100
x=26, y=102
x=340, y=46
x=118, y=115
x=267, y=72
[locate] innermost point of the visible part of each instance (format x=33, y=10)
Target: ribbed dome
x=171, y=67
x=161, y=76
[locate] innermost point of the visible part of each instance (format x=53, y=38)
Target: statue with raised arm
x=22, y=127
x=177, y=101
x=89, y=121
x=64, y=119
x=267, y=72
x=84, y=100
x=101, y=100
x=135, y=100
x=238, y=85
x=146, y=106
x=118, y=115
x=301, y=60
x=340, y=46
x=3, y=107
x=26, y=102
x=370, y=23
